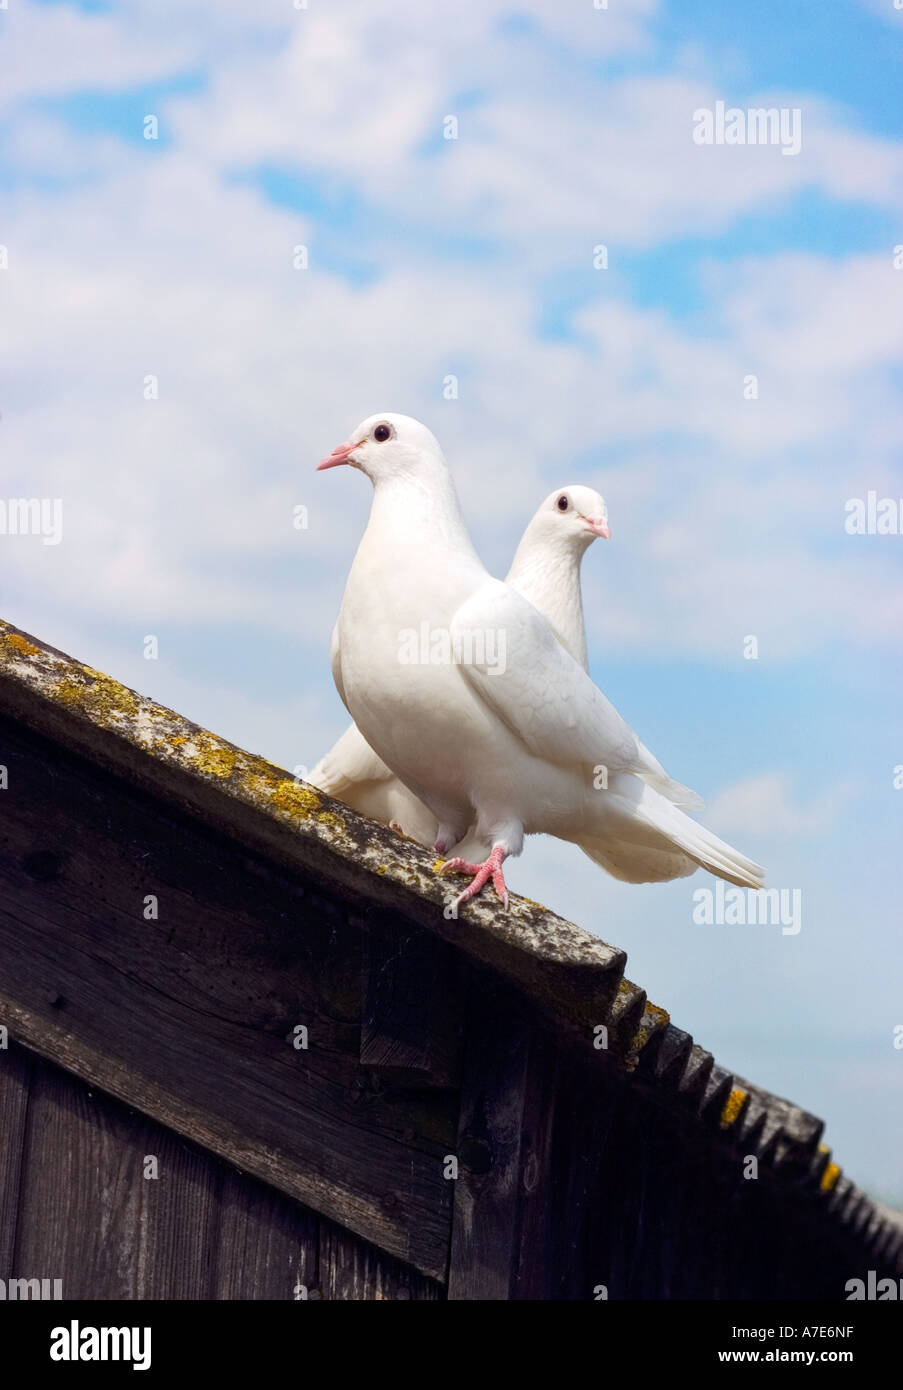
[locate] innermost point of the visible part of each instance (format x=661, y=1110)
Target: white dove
x=546, y=570
x=523, y=745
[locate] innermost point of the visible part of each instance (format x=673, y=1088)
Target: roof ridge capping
x=569, y=973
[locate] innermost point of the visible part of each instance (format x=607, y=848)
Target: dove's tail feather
x=654, y=775
x=638, y=834
x=675, y=792
x=701, y=845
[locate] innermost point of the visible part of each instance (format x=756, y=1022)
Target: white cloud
x=766, y=805
x=550, y=158
x=182, y=506
x=159, y=263
x=51, y=50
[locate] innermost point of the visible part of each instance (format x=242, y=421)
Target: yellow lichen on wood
x=214, y=759
x=732, y=1107
x=647, y=1029
x=21, y=644
x=829, y=1177
x=68, y=691
x=99, y=696
x=291, y=796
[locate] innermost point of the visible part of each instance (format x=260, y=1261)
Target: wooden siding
x=75, y=1205
x=190, y=1016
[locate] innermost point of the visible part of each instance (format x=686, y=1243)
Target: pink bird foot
x=491, y=868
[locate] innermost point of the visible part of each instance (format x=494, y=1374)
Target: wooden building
x=244, y=1054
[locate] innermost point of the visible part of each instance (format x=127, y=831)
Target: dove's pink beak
x=339, y=455
x=598, y=528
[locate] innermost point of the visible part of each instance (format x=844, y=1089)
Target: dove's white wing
x=546, y=697
x=540, y=692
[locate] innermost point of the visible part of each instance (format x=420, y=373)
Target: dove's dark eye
x=382, y=433
x=563, y=503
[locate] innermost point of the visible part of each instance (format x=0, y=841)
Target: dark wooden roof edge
x=572, y=976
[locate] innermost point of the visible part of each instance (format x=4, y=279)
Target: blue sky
x=172, y=257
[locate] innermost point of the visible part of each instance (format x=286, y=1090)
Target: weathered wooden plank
x=350, y=1270
x=114, y=1205
x=539, y=1234
x=15, y=1075
x=191, y=1015
x=484, y=1227
x=267, y=1245
x=410, y=1015
x=585, y=1105
x=500, y=1233
x=272, y=1248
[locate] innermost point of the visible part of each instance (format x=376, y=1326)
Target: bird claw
x=459, y=866
x=481, y=874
